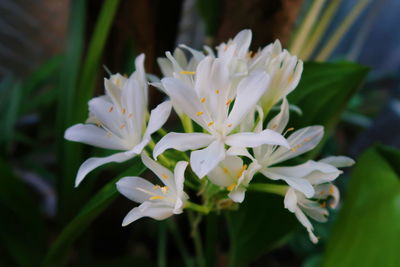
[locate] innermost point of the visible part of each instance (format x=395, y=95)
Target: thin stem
x=179, y=242
x=268, y=188
x=162, y=245
x=198, y=246
x=331, y=44
x=187, y=123
x=301, y=36
x=162, y=132
x=196, y=207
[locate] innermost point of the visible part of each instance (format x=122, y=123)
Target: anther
x=225, y=170
x=203, y=99
x=156, y=197
x=130, y=115
x=164, y=176
x=210, y=123
x=123, y=111
x=187, y=72
x=230, y=125
x=290, y=129
x=307, y=139
x=217, y=91
x=122, y=126
x=228, y=102
x=164, y=189
x=231, y=187
x=199, y=113
x=110, y=109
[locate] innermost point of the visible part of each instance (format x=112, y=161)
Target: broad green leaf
x=260, y=224
x=323, y=93
x=22, y=227
x=367, y=232
x=58, y=252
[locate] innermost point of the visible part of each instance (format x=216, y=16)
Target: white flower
x=209, y=103
x=319, y=175
x=300, y=141
x=116, y=120
x=234, y=175
x=157, y=202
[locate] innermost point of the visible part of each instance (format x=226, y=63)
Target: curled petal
x=203, y=161
x=148, y=209
x=338, y=161
x=256, y=139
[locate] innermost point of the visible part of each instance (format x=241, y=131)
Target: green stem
x=187, y=123
x=162, y=245
x=196, y=207
x=211, y=239
x=268, y=188
x=198, y=246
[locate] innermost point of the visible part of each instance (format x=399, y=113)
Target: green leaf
x=22, y=227
x=58, y=253
x=324, y=92
x=367, y=232
x=260, y=225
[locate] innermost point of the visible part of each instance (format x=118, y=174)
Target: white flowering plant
x=237, y=136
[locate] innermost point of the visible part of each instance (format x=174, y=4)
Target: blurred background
x=53, y=57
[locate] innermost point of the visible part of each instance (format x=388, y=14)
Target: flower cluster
x=224, y=100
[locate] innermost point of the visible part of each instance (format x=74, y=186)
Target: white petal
x=256, y=139
x=298, y=183
x=92, y=163
x=225, y=173
x=140, y=76
x=179, y=176
x=93, y=135
x=134, y=101
x=203, y=161
x=307, y=224
x=136, y=189
x=314, y=210
x=301, y=141
x=239, y=151
x=290, y=200
x=249, y=92
x=147, y=209
x=242, y=41
x=186, y=100
x=182, y=142
x=164, y=174
x=338, y=161
x=158, y=117
x=279, y=122
x=237, y=195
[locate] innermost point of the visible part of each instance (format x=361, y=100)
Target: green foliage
x=324, y=92
x=367, y=232
x=59, y=251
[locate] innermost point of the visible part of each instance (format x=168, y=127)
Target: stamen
x=123, y=111
x=203, y=99
x=156, y=197
x=164, y=189
x=225, y=170
x=230, y=125
x=240, y=173
x=274, y=126
x=331, y=189
x=156, y=187
x=199, y=113
x=130, y=115
x=210, y=123
x=109, y=134
x=110, y=109
x=122, y=126
x=231, y=187
x=164, y=176
x=98, y=123
x=217, y=91
x=187, y=72
x=290, y=129
x=307, y=139
x=228, y=102
x=291, y=77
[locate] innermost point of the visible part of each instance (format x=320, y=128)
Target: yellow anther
x=110, y=109
x=123, y=111
x=331, y=189
x=291, y=77
x=187, y=72
x=274, y=126
x=210, y=123
x=203, y=99
x=156, y=186
x=230, y=125
x=290, y=129
x=231, y=187
x=164, y=189
x=307, y=139
x=225, y=170
x=217, y=91
x=130, y=115
x=122, y=126
x=98, y=123
x=199, y=113
x=228, y=102
x=164, y=176
x=156, y=197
